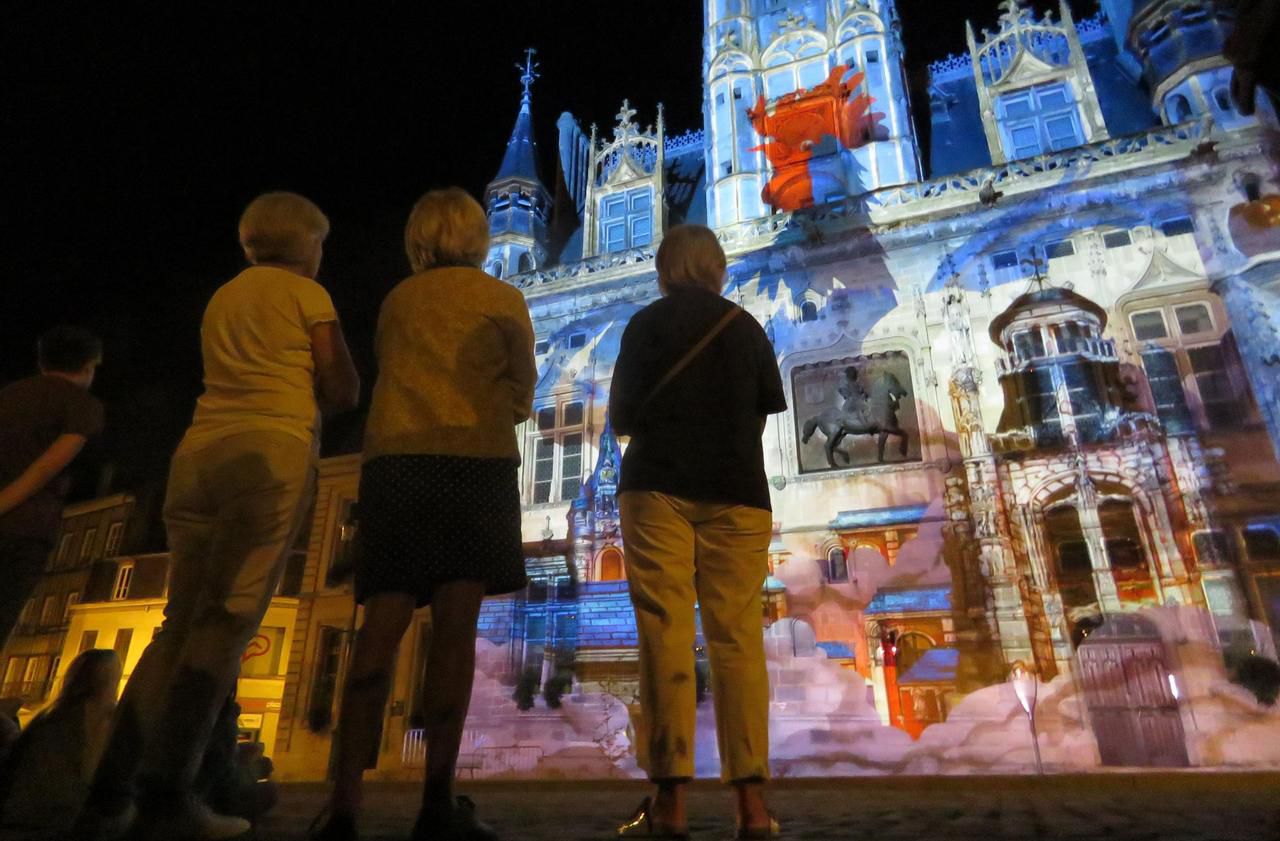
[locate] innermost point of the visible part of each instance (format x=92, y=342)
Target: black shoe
x=331, y=826
x=642, y=825
x=460, y=824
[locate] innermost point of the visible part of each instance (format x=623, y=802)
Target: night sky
x=134, y=134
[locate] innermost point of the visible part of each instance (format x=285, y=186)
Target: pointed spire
x=521, y=158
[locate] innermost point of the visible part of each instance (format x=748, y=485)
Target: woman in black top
x=694, y=381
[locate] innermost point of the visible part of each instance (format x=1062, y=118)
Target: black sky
x=132, y=134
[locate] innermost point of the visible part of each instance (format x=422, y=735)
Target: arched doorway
x=1128, y=690
x=609, y=564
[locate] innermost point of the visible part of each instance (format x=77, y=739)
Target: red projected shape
x=798, y=126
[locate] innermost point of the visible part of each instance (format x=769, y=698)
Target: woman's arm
x=625, y=395
x=339, y=384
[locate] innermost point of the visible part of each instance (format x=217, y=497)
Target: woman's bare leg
x=669, y=809
x=364, y=695
x=451, y=667
x=753, y=812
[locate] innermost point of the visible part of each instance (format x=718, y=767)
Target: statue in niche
x=860, y=413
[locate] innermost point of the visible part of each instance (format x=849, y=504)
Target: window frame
x=1208, y=310
x=558, y=435
x=122, y=581
x=620, y=219
x=86, y=544
x=1164, y=323
x=1180, y=346
x=115, y=535
x=1017, y=130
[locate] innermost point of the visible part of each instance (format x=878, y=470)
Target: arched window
x=1179, y=108
x=808, y=311
x=837, y=564
x=495, y=269
x=526, y=262
x=1222, y=97
x=911, y=647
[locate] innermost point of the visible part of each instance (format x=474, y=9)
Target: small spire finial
x=528, y=73
x=625, y=115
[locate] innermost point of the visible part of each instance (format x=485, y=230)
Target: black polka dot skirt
x=428, y=519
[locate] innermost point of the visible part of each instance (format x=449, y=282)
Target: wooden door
x=1135, y=716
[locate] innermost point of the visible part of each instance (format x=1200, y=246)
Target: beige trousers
x=232, y=513
x=681, y=553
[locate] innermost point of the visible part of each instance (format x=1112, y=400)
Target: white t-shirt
x=259, y=373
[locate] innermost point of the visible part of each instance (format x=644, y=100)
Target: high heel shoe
x=642, y=825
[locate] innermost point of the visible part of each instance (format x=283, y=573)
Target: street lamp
x=1025, y=686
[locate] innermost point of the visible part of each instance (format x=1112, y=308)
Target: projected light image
x=1029, y=448
x=804, y=128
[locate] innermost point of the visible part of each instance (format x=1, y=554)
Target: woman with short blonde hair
x=446, y=228
x=694, y=381
x=690, y=255
x=281, y=227
x=439, y=500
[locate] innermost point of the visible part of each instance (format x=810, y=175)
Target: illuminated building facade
x=103, y=590
x=91, y=533
x=1032, y=416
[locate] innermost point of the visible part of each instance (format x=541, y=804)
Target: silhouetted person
x=239, y=489
x=46, y=779
x=45, y=421
x=694, y=381
x=439, y=498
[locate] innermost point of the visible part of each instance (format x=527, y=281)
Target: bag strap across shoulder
x=691, y=354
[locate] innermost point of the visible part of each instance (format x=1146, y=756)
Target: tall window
x=49, y=611
x=324, y=684
x=1040, y=119
x=64, y=548
x=1194, y=378
x=124, y=578
x=86, y=546
x=124, y=640
x=626, y=219
x=837, y=564
x=341, y=564
x=1166, y=390
x=114, y=534
x=73, y=599
x=558, y=451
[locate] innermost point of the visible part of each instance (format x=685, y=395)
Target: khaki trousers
x=679, y=554
x=232, y=514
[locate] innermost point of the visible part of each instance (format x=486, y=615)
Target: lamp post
x=1025, y=686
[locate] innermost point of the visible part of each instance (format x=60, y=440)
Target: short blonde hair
x=281, y=227
x=446, y=228
x=690, y=255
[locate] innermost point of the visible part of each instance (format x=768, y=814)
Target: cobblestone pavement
x=1116, y=807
